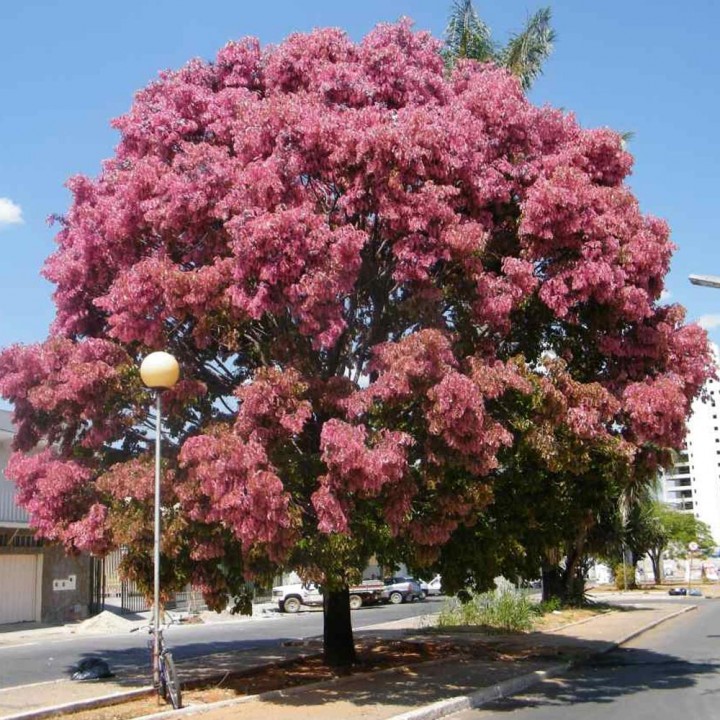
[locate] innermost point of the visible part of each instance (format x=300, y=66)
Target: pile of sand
x=105, y=622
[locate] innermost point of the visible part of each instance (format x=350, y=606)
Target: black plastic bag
x=91, y=669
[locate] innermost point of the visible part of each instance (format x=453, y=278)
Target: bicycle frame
x=169, y=687
x=165, y=677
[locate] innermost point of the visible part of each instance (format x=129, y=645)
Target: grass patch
x=503, y=610
x=511, y=610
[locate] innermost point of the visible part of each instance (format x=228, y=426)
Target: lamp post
x=159, y=371
x=712, y=281
x=693, y=547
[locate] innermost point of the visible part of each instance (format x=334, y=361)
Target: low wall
x=65, y=586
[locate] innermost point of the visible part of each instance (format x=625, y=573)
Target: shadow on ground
x=604, y=679
x=131, y=667
x=473, y=661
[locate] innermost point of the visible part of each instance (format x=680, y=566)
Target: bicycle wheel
x=170, y=681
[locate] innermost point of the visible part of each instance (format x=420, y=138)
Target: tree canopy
x=387, y=288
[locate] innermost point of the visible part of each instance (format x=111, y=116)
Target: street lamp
x=159, y=371
x=712, y=281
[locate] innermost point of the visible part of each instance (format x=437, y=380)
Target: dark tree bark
x=339, y=648
x=564, y=584
x=655, y=558
x=553, y=585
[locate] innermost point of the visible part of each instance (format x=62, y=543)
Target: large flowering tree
x=387, y=289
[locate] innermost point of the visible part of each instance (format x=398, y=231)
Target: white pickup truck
x=290, y=598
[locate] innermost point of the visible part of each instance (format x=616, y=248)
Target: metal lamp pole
x=693, y=547
x=158, y=371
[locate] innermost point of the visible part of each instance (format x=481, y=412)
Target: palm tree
x=467, y=36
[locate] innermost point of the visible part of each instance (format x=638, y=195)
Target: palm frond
x=526, y=52
x=466, y=35
x=626, y=137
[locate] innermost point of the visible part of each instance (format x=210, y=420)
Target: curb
x=439, y=709
x=650, y=626
x=271, y=694
x=78, y=705
x=443, y=708
x=122, y=696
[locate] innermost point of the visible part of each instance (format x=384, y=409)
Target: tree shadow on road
x=596, y=678
x=605, y=678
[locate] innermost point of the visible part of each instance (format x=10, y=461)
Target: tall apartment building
x=693, y=484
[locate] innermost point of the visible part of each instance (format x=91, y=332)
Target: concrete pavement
x=428, y=690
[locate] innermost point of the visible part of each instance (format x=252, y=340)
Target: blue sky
x=68, y=66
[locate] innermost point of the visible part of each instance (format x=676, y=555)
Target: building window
x=19, y=539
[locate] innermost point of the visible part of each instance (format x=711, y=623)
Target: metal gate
x=189, y=600
x=131, y=599
x=97, y=585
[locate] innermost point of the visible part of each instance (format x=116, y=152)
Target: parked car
x=434, y=587
x=290, y=598
x=684, y=591
x=402, y=589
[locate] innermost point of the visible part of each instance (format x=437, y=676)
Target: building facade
x=692, y=485
x=38, y=583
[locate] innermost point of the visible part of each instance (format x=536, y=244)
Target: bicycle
x=168, y=684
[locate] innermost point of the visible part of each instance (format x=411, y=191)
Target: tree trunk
x=552, y=583
x=573, y=578
x=566, y=585
x=339, y=647
x=655, y=560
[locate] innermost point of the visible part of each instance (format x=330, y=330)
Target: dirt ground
x=373, y=655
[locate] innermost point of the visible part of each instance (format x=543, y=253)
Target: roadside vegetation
x=506, y=609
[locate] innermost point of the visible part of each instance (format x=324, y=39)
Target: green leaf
x=467, y=36
x=526, y=51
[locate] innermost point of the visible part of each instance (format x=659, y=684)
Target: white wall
x=703, y=457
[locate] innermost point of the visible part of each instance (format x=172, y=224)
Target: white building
x=693, y=484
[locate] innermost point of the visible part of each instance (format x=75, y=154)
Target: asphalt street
x=670, y=672
x=48, y=659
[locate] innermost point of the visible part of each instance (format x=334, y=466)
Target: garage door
x=18, y=587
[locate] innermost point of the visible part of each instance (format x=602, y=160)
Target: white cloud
x=10, y=213
x=709, y=322
x=665, y=295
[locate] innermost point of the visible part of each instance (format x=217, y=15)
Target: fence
x=97, y=585
x=111, y=586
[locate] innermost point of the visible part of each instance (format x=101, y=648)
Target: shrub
x=629, y=580
x=505, y=609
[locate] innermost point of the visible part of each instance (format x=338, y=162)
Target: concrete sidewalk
x=437, y=689
x=428, y=690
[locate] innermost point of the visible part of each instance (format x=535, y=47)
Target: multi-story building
x=37, y=583
x=693, y=484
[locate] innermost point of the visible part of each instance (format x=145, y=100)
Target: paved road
x=668, y=673
x=43, y=659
